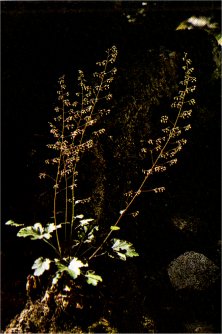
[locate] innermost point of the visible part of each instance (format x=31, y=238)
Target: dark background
x=40, y=42
x=43, y=40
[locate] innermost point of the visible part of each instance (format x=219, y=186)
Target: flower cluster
x=74, y=118
x=159, y=190
x=163, y=150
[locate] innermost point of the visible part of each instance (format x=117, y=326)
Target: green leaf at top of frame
x=114, y=228
x=12, y=223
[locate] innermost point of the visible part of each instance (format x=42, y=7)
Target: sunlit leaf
x=52, y=227
x=114, y=228
x=74, y=266
x=37, y=231
x=121, y=256
x=124, y=249
x=38, y=228
x=74, y=273
x=30, y=231
x=92, y=278
x=86, y=221
x=40, y=265
x=12, y=223
x=79, y=216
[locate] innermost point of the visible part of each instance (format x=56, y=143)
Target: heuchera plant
x=74, y=129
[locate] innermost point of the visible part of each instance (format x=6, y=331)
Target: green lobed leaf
x=37, y=231
x=92, y=278
x=29, y=232
x=40, y=265
x=124, y=249
x=73, y=268
x=51, y=227
x=12, y=223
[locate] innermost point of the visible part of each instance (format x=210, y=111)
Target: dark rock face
x=193, y=271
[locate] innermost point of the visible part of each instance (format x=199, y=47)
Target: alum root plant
x=75, y=128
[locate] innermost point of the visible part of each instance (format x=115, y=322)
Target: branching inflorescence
x=164, y=150
x=74, y=132
x=74, y=128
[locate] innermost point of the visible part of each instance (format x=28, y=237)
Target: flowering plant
x=74, y=129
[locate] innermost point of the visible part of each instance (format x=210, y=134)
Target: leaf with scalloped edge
x=124, y=249
x=40, y=265
x=92, y=278
x=73, y=268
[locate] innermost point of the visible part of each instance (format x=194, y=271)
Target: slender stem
x=66, y=205
x=57, y=178
x=73, y=200
x=55, y=210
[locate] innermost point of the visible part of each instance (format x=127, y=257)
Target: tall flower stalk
x=163, y=151
x=74, y=130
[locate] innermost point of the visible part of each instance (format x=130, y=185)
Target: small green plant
x=75, y=128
